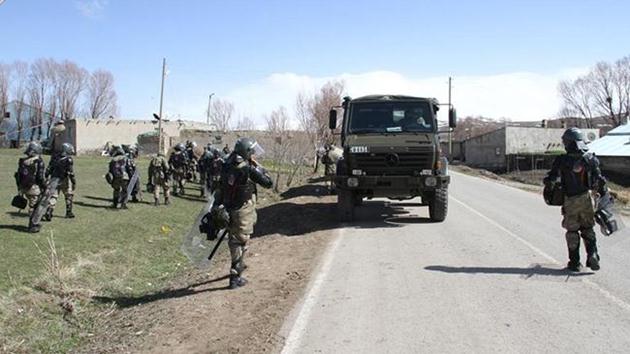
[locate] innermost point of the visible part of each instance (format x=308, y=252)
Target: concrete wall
x=523, y=140
x=92, y=135
x=486, y=151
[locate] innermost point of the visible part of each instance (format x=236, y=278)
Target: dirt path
x=197, y=314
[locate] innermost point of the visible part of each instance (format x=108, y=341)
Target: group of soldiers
x=39, y=186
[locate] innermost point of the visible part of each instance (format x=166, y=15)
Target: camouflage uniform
x=178, y=162
x=579, y=174
x=119, y=172
x=62, y=168
x=238, y=195
x=30, y=179
x=159, y=178
x=136, y=192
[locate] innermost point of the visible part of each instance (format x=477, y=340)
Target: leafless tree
x=101, y=95
x=312, y=112
x=221, y=114
x=19, y=88
x=245, y=124
x=71, y=82
x=39, y=85
x=603, y=91
x=51, y=67
x=5, y=73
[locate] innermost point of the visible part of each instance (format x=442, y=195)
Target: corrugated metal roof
x=615, y=143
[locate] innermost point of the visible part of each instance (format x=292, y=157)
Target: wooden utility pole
x=161, y=101
x=450, y=130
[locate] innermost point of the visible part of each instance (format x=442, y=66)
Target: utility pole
x=450, y=130
x=209, y=101
x=161, y=101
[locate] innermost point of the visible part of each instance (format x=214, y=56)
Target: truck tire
x=358, y=200
x=345, y=205
x=438, y=206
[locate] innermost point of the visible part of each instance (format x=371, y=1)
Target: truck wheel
x=438, y=206
x=345, y=205
x=358, y=200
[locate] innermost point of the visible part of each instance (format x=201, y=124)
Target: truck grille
x=393, y=163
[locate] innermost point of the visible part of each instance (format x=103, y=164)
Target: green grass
x=102, y=251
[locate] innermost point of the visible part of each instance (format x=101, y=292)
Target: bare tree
x=101, y=95
x=39, y=85
x=245, y=124
x=603, y=91
x=221, y=114
x=19, y=88
x=5, y=73
x=71, y=82
x=51, y=68
x=312, y=112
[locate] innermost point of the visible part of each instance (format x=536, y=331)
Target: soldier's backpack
x=179, y=160
x=117, y=168
x=155, y=168
x=26, y=173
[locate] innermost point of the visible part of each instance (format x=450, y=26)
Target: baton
x=214, y=250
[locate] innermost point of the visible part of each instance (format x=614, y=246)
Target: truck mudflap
x=392, y=182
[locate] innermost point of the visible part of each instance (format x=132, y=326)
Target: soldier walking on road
x=179, y=163
x=159, y=178
x=237, y=194
x=62, y=168
x=118, y=177
x=579, y=174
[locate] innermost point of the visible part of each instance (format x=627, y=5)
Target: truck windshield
x=394, y=117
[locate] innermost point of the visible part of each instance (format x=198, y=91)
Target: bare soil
x=198, y=314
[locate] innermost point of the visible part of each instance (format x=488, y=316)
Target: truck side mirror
x=452, y=117
x=332, y=119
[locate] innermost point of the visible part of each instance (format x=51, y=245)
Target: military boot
x=156, y=202
x=69, y=213
x=48, y=215
x=167, y=201
x=123, y=205
x=34, y=228
x=574, y=261
x=592, y=257
x=237, y=281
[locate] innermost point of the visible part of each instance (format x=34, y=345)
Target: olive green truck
x=391, y=149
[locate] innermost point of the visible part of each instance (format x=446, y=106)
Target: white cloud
x=91, y=8
x=517, y=96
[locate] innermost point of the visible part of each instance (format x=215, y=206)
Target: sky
x=505, y=57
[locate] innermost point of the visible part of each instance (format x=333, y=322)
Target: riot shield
x=44, y=201
x=132, y=183
x=195, y=245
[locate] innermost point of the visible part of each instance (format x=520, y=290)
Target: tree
x=39, y=85
x=221, y=113
x=603, y=91
x=19, y=91
x=71, y=81
x=312, y=112
x=245, y=124
x=101, y=95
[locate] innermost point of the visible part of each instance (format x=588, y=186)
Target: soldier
x=132, y=154
x=214, y=170
x=118, y=177
x=204, y=162
x=30, y=179
x=58, y=138
x=579, y=174
x=192, y=161
x=178, y=162
x=62, y=168
x=159, y=178
x=237, y=195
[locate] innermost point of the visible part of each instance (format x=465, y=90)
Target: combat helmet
x=67, y=149
x=573, y=139
x=179, y=147
x=33, y=148
x=117, y=150
x=245, y=147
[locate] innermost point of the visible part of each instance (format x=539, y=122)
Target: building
x=613, y=151
x=19, y=112
x=514, y=148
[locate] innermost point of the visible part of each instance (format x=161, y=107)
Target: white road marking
x=593, y=285
x=292, y=343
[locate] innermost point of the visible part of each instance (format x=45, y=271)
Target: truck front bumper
x=423, y=183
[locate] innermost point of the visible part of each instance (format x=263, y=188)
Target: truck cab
x=391, y=149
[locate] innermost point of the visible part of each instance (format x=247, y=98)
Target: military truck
x=391, y=149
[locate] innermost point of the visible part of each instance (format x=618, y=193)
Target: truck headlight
x=430, y=182
x=353, y=182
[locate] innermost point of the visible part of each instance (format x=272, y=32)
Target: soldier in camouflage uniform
x=159, y=178
x=579, y=174
x=62, y=168
x=30, y=178
x=58, y=139
x=178, y=162
x=132, y=154
x=118, y=177
x=237, y=194
x=204, y=162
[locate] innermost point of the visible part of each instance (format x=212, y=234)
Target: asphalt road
x=488, y=279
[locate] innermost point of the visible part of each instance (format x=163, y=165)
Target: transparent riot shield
x=44, y=201
x=195, y=245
